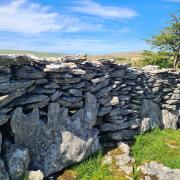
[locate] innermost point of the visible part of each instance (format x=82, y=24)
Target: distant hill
x=121, y=55
x=36, y=53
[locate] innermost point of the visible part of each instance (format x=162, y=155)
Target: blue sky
x=82, y=26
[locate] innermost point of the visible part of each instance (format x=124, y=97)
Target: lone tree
x=169, y=40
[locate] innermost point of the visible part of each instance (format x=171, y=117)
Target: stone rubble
x=59, y=108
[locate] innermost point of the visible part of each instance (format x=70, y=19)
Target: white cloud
x=31, y=18
x=107, y=12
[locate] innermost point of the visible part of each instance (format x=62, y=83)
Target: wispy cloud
x=107, y=12
x=31, y=18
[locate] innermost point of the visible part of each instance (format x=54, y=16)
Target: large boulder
x=3, y=173
x=151, y=115
x=17, y=160
x=170, y=118
x=63, y=140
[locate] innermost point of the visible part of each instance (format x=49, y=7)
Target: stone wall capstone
x=60, y=111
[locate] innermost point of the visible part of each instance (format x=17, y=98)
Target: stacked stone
x=163, y=88
x=123, y=119
x=54, y=109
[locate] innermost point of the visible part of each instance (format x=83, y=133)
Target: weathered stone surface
x=170, y=118
x=75, y=92
x=118, y=73
x=4, y=118
x=12, y=86
x=61, y=139
x=152, y=111
x=104, y=110
x=56, y=95
x=0, y=141
x=3, y=173
x=35, y=175
x=145, y=125
x=5, y=99
x=159, y=171
x=29, y=72
x=17, y=160
x=29, y=99
x=122, y=135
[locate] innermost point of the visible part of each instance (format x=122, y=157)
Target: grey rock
x=17, y=160
x=27, y=99
x=116, y=127
x=118, y=73
x=29, y=72
x=64, y=67
x=4, y=78
x=67, y=80
x=96, y=87
x=170, y=118
x=99, y=79
x=123, y=159
x=122, y=135
x=41, y=90
x=56, y=95
x=159, y=171
x=12, y=86
x=75, y=92
x=41, y=81
x=152, y=111
x=4, y=118
x=3, y=173
x=145, y=125
x=104, y=110
x=63, y=141
x=5, y=99
x=34, y=175
x=0, y=141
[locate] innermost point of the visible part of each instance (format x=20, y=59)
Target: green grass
x=92, y=169
x=159, y=145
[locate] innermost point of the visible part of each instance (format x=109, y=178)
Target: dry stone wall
x=54, y=113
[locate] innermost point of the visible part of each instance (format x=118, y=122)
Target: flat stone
x=56, y=95
x=122, y=135
x=67, y=80
x=75, y=92
x=64, y=67
x=96, y=87
x=29, y=72
x=118, y=73
x=5, y=99
x=27, y=99
x=99, y=79
x=159, y=171
x=15, y=85
x=104, y=110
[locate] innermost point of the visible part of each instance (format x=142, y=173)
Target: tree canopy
x=168, y=40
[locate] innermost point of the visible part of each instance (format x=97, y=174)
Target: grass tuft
x=159, y=145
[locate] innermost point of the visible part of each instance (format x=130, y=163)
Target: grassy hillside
x=36, y=53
